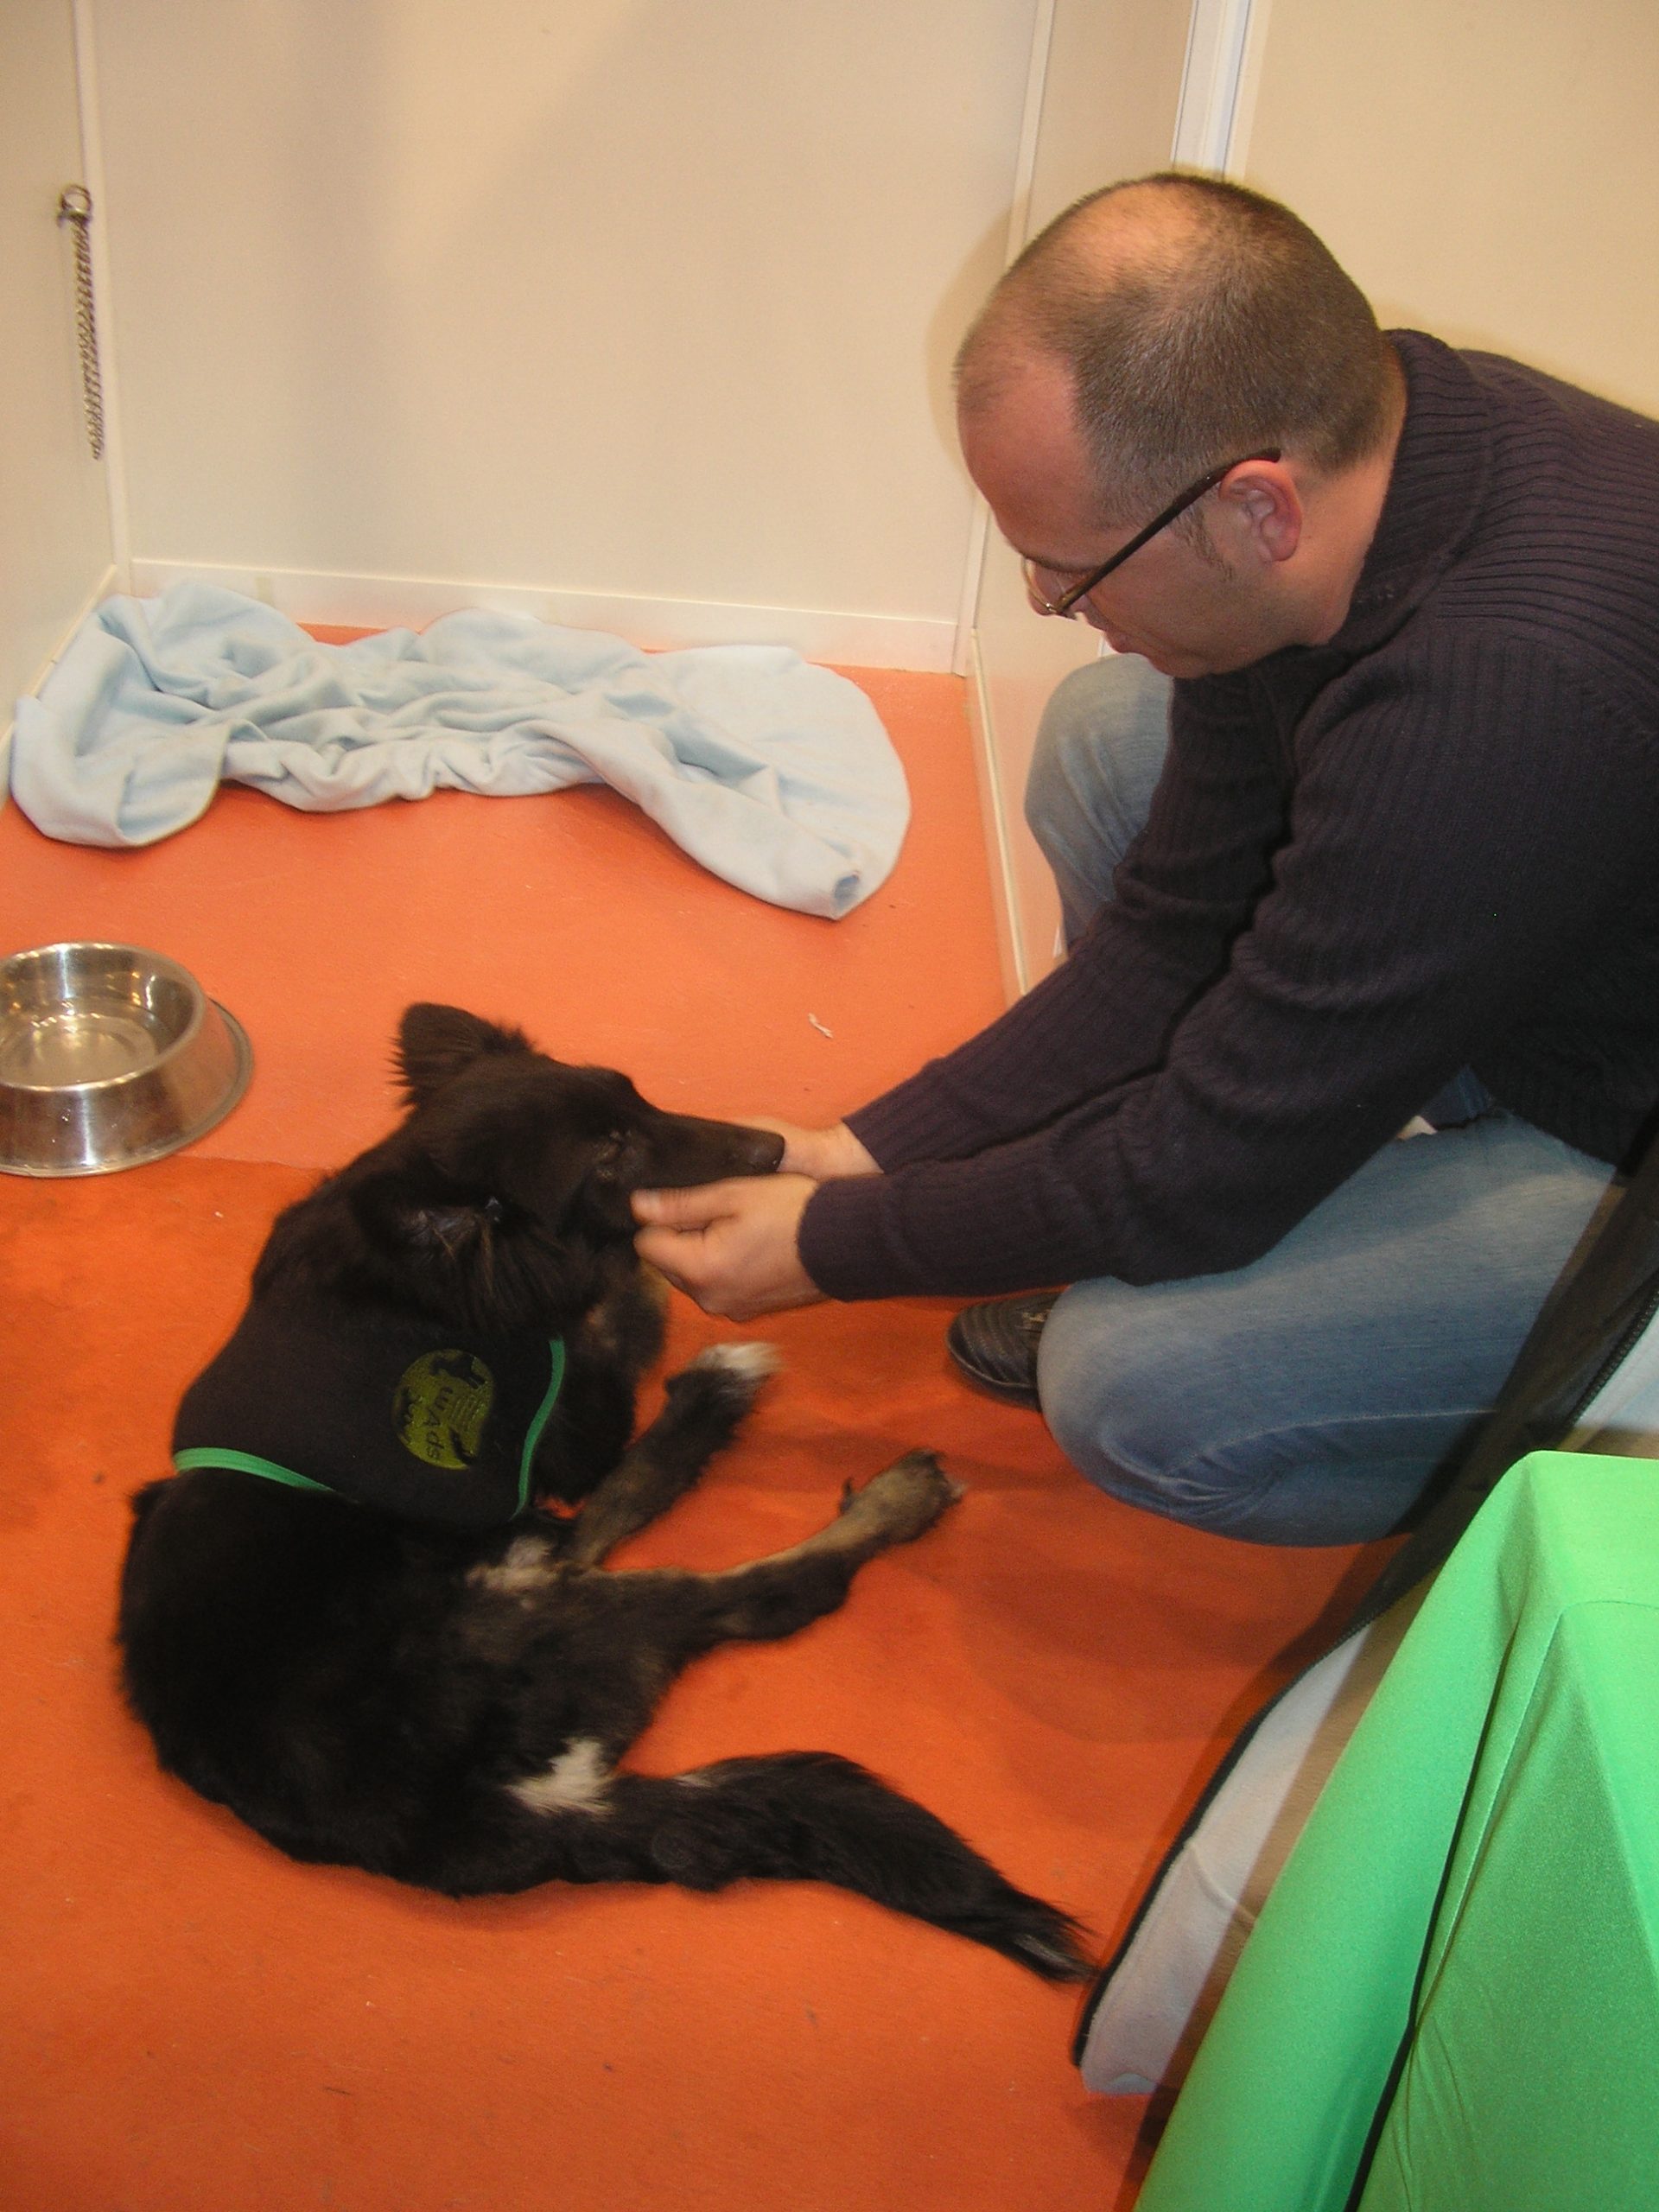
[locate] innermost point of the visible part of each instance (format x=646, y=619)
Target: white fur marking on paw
x=525, y=1566
x=750, y=1362
x=577, y=1782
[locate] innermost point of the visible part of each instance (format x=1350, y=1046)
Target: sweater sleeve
x=1106, y=1014
x=1462, y=825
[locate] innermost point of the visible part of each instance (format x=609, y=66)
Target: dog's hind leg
x=794, y=1817
x=705, y=1408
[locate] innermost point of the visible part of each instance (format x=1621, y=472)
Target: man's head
x=1155, y=332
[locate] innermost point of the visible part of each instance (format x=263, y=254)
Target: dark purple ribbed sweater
x=1432, y=843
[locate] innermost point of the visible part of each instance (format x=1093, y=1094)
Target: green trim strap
x=533, y=1435
x=245, y=1463
x=249, y=1463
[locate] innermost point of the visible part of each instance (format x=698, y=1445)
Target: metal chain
x=75, y=206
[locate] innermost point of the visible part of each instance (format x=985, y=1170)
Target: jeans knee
x=1129, y=1385
x=1108, y=1397
x=1068, y=730
x=1101, y=1450
x=1139, y=1415
x=1099, y=749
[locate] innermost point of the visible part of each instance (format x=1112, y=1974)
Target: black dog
x=357, y=1617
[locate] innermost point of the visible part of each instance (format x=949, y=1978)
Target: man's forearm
x=1072, y=1038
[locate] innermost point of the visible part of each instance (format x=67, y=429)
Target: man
x=1399, y=866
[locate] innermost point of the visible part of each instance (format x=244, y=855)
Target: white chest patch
x=577, y=1782
x=525, y=1566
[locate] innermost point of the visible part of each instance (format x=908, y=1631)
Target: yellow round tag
x=441, y=1405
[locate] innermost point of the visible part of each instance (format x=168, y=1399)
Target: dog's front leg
x=705, y=1406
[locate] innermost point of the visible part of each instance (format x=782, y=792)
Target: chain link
x=75, y=207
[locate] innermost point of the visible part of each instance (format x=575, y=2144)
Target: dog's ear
x=409, y=1223
x=465, y=1257
x=435, y=1042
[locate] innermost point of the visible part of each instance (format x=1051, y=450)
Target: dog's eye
x=609, y=1156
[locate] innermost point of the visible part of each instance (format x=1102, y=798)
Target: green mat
x=1451, y=2002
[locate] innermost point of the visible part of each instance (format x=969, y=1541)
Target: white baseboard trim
x=981, y=724
x=392, y=602
x=109, y=581
x=106, y=583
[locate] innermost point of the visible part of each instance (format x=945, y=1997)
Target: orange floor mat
x=188, y=2019
x=573, y=915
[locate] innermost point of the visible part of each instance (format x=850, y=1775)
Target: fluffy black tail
x=795, y=1816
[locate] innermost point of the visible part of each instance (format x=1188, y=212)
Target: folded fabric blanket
x=773, y=773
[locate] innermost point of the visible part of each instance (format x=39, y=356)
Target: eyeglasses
x=1072, y=597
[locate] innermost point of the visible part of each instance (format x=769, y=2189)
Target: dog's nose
x=689, y=1150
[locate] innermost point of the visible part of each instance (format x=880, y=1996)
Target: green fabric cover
x=1475, y=1899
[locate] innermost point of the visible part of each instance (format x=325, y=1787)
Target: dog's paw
x=903, y=1499
x=746, y=1364
x=721, y=1385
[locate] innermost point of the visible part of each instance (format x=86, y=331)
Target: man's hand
x=731, y=1246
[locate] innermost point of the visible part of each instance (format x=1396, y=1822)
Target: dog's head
x=503, y=1200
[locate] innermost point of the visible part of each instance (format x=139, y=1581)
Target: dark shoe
x=994, y=1345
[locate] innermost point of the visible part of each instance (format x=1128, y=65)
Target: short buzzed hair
x=1199, y=322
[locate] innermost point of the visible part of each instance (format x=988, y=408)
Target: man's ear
x=1266, y=507
x=435, y=1042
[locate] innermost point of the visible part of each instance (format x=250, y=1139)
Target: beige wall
x=642, y=306
x=54, y=528
x=1487, y=169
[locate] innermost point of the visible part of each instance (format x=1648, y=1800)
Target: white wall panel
x=638, y=299
x=54, y=524
x=1487, y=169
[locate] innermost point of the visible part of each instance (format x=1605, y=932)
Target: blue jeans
x=1313, y=1396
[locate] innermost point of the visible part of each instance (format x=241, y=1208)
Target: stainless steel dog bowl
x=109, y=1056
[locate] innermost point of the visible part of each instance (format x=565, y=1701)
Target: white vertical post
x=1216, y=48
x=1024, y=167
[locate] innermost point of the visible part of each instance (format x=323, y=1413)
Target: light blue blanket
x=776, y=774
